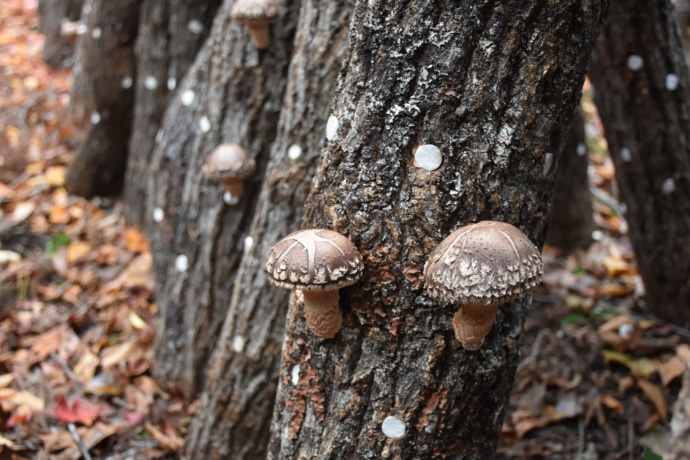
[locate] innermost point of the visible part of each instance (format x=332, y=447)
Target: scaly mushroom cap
x=314, y=260
x=249, y=11
x=484, y=263
x=229, y=161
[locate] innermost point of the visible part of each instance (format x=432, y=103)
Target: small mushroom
x=480, y=267
x=231, y=164
x=257, y=14
x=317, y=262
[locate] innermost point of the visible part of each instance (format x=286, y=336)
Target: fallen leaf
x=135, y=241
x=654, y=393
x=670, y=369
x=55, y=176
x=641, y=367
x=76, y=250
x=110, y=356
x=612, y=403
x=79, y=411
x=168, y=440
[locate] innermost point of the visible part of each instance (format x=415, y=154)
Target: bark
x=234, y=416
x=198, y=240
x=571, y=222
x=170, y=34
x=494, y=86
x=679, y=448
x=647, y=124
x=105, y=59
x=683, y=12
x=58, y=48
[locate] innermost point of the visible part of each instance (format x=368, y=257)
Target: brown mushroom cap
x=229, y=161
x=484, y=263
x=314, y=260
x=252, y=11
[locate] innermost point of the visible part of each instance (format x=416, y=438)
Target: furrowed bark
x=58, y=48
x=679, y=448
x=170, y=34
x=197, y=240
x=105, y=58
x=642, y=91
x=570, y=219
x=494, y=85
x=234, y=416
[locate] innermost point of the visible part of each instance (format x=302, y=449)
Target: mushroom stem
x=472, y=323
x=322, y=311
x=261, y=34
x=235, y=188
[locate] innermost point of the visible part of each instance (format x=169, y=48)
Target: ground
x=78, y=316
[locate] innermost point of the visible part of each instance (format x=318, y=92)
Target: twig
x=77, y=438
x=580, y=435
x=536, y=346
x=67, y=370
x=631, y=438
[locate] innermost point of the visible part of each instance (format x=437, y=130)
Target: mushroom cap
x=314, y=260
x=248, y=11
x=229, y=161
x=485, y=263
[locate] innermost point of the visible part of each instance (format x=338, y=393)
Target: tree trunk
x=679, y=448
x=494, y=86
x=197, y=240
x=234, y=416
x=571, y=221
x=100, y=94
x=58, y=48
x=683, y=12
x=170, y=34
x=642, y=91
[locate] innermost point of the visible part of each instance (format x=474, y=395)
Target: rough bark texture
x=58, y=50
x=679, y=448
x=170, y=34
x=647, y=124
x=683, y=12
x=234, y=416
x=198, y=241
x=99, y=98
x=494, y=85
x=570, y=221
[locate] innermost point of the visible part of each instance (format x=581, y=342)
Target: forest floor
x=78, y=316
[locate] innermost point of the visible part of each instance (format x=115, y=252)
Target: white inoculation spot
x=428, y=157
x=668, y=186
x=548, y=162
x=626, y=330
x=195, y=26
x=230, y=199
x=95, y=118
x=96, y=33
x=635, y=62
x=294, y=373
x=626, y=154
x=624, y=209
x=181, y=263
x=331, y=127
x=671, y=81
x=393, y=427
x=127, y=82
x=150, y=82
x=204, y=124
x=187, y=97
x=238, y=344
x=597, y=235
x=82, y=29
x=294, y=152
x=172, y=83
x=581, y=149
x=158, y=214
x=248, y=243
x=159, y=136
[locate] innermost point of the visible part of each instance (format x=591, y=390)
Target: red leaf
x=80, y=411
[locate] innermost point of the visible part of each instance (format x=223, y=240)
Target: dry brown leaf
x=613, y=290
x=110, y=356
x=86, y=367
x=670, y=369
x=77, y=250
x=5, y=380
x=614, y=323
x=55, y=442
x=168, y=440
x=55, y=176
x=655, y=395
x=612, y=403
x=135, y=241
